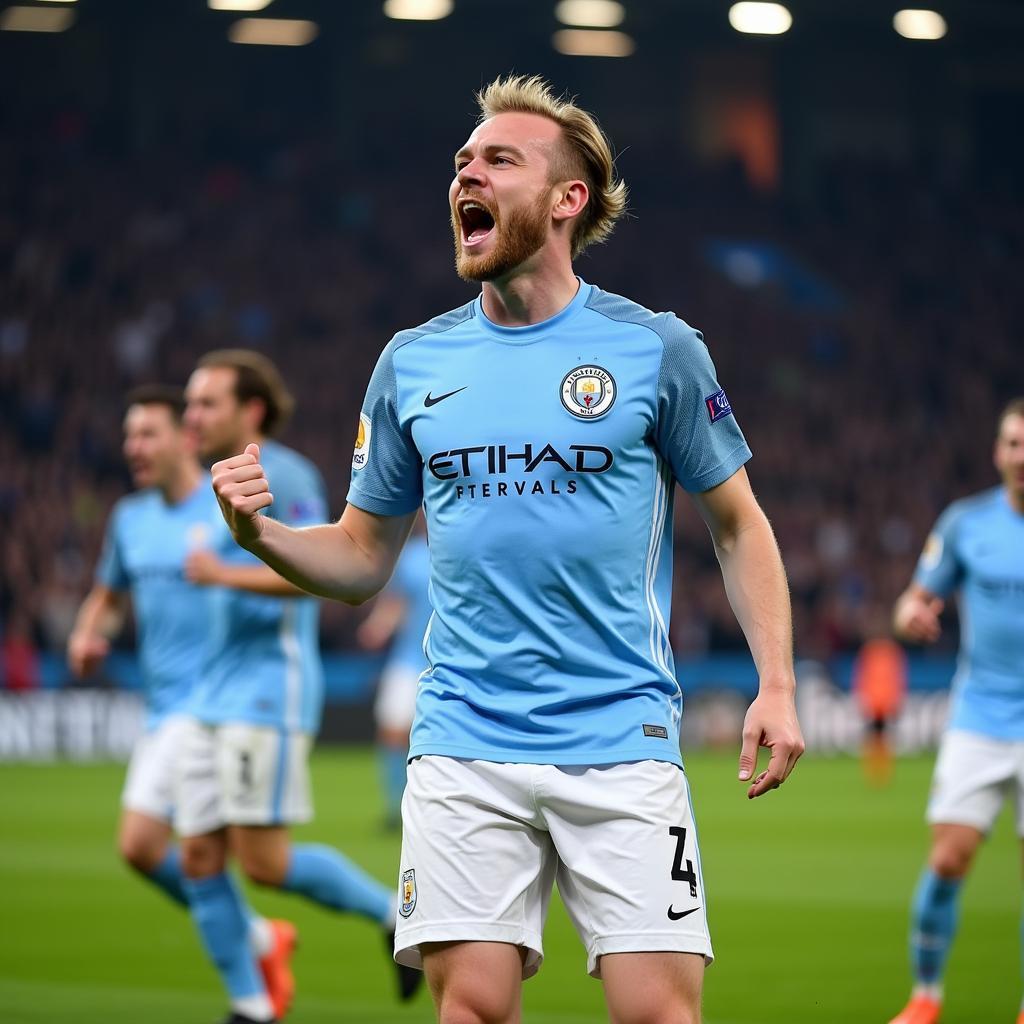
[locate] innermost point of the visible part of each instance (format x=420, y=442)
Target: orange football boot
x=920, y=1010
x=276, y=967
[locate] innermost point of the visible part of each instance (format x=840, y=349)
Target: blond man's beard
x=522, y=235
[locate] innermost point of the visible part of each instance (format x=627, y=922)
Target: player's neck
x=1016, y=500
x=185, y=480
x=529, y=297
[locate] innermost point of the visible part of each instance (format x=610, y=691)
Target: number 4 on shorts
x=678, y=874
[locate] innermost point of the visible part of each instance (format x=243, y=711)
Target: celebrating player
x=543, y=426
x=401, y=616
x=976, y=548
x=243, y=776
x=149, y=537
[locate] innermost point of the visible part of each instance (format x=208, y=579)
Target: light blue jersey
x=410, y=582
x=263, y=663
x=977, y=546
x=546, y=458
x=144, y=552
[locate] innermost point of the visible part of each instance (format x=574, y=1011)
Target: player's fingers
x=761, y=785
x=250, y=506
x=253, y=449
x=247, y=488
x=250, y=472
x=748, y=752
x=935, y=606
x=226, y=465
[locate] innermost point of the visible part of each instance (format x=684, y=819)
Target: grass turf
x=808, y=895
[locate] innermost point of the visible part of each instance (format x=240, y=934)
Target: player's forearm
x=755, y=581
x=258, y=579
x=101, y=614
x=321, y=560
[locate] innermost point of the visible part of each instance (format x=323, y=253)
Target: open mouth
x=476, y=220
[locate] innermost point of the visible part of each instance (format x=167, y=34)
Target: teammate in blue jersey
x=243, y=776
x=977, y=550
x=400, y=616
x=543, y=426
x=149, y=537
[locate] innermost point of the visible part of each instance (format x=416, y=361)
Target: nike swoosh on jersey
x=429, y=400
x=678, y=915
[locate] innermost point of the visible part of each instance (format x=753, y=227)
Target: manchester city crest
x=408, y=892
x=588, y=392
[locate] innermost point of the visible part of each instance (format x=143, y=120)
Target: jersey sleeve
x=939, y=569
x=110, y=570
x=695, y=432
x=387, y=472
x=300, y=497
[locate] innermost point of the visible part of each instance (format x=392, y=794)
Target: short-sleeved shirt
x=411, y=582
x=545, y=457
x=263, y=659
x=144, y=551
x=977, y=547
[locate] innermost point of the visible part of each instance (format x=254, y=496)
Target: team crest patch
x=361, y=455
x=408, y=892
x=717, y=406
x=932, y=554
x=588, y=392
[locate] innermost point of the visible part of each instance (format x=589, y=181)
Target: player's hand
x=917, y=618
x=242, y=490
x=86, y=652
x=203, y=568
x=770, y=722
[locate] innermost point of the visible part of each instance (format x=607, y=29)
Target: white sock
x=261, y=937
x=932, y=991
x=254, y=1007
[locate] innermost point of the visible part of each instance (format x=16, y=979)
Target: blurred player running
x=149, y=536
x=977, y=549
x=400, y=615
x=543, y=427
x=243, y=775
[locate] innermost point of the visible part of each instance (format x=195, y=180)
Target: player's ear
x=570, y=199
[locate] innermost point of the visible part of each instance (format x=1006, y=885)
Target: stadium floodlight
x=238, y=5
x=36, y=19
x=581, y=42
x=418, y=10
x=590, y=13
x=273, y=31
x=919, y=24
x=760, y=19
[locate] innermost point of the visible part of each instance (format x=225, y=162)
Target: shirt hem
x=510, y=755
x=725, y=469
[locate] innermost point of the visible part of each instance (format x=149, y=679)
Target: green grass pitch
x=808, y=894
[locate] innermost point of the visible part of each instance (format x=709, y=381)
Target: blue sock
x=322, y=874
x=167, y=876
x=392, y=762
x=933, y=925
x=221, y=916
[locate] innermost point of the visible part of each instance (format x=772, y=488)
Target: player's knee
x=951, y=860
x=139, y=854
x=203, y=857
x=480, y=1008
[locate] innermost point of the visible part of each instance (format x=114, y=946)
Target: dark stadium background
x=840, y=211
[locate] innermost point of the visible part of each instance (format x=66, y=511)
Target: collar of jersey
x=533, y=332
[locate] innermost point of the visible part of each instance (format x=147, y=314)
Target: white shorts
x=482, y=843
x=974, y=775
x=395, y=704
x=240, y=774
x=149, y=784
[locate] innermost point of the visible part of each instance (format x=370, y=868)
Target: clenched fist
x=242, y=490
x=86, y=652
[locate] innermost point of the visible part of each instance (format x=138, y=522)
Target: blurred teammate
x=879, y=686
x=543, y=427
x=149, y=537
x=400, y=615
x=243, y=776
x=977, y=549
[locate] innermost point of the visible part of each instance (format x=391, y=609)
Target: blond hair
x=587, y=151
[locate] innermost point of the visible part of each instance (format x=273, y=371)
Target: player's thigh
x=653, y=988
x=471, y=981
x=476, y=864
x=629, y=864
x=264, y=775
x=149, y=782
x=395, y=704
x=142, y=840
x=974, y=775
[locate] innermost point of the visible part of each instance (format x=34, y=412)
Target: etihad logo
x=499, y=459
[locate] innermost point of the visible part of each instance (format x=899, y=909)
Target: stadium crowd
x=865, y=416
